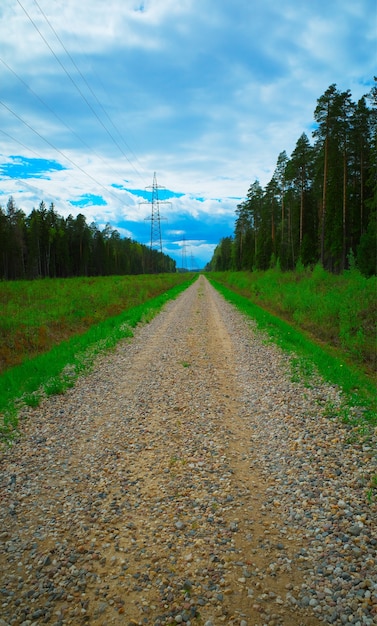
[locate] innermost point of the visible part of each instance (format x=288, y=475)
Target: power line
x=88, y=85
x=49, y=143
x=37, y=154
x=34, y=188
x=76, y=86
x=56, y=115
x=58, y=150
x=21, y=144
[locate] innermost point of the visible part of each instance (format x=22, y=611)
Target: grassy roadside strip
x=309, y=359
x=37, y=315
x=336, y=310
x=57, y=370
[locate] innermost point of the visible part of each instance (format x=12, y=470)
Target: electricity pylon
x=155, y=219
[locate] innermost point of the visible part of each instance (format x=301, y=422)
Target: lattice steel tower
x=155, y=218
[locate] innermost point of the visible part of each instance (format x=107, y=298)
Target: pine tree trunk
x=344, y=220
x=323, y=212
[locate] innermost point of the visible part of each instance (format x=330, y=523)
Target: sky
x=99, y=100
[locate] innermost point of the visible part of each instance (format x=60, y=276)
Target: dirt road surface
x=187, y=480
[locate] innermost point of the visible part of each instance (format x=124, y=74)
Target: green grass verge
x=339, y=310
x=309, y=358
x=37, y=315
x=56, y=370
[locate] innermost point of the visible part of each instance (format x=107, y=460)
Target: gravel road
x=187, y=479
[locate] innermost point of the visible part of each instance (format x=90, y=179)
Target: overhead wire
x=34, y=189
x=37, y=154
x=88, y=85
x=84, y=143
x=76, y=86
x=58, y=150
x=54, y=147
x=18, y=180
x=21, y=144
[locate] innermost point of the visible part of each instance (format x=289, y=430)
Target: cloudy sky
x=96, y=96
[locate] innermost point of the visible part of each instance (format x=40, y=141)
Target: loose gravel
x=188, y=480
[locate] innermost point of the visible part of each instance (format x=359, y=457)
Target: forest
x=45, y=244
x=320, y=205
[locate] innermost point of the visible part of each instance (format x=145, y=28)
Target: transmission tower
x=155, y=219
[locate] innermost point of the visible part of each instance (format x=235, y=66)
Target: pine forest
x=320, y=205
x=45, y=244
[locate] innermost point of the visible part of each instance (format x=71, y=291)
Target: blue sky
x=97, y=96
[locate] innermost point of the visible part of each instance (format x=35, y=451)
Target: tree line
x=45, y=244
x=320, y=205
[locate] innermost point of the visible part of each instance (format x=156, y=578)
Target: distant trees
x=321, y=203
x=45, y=244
